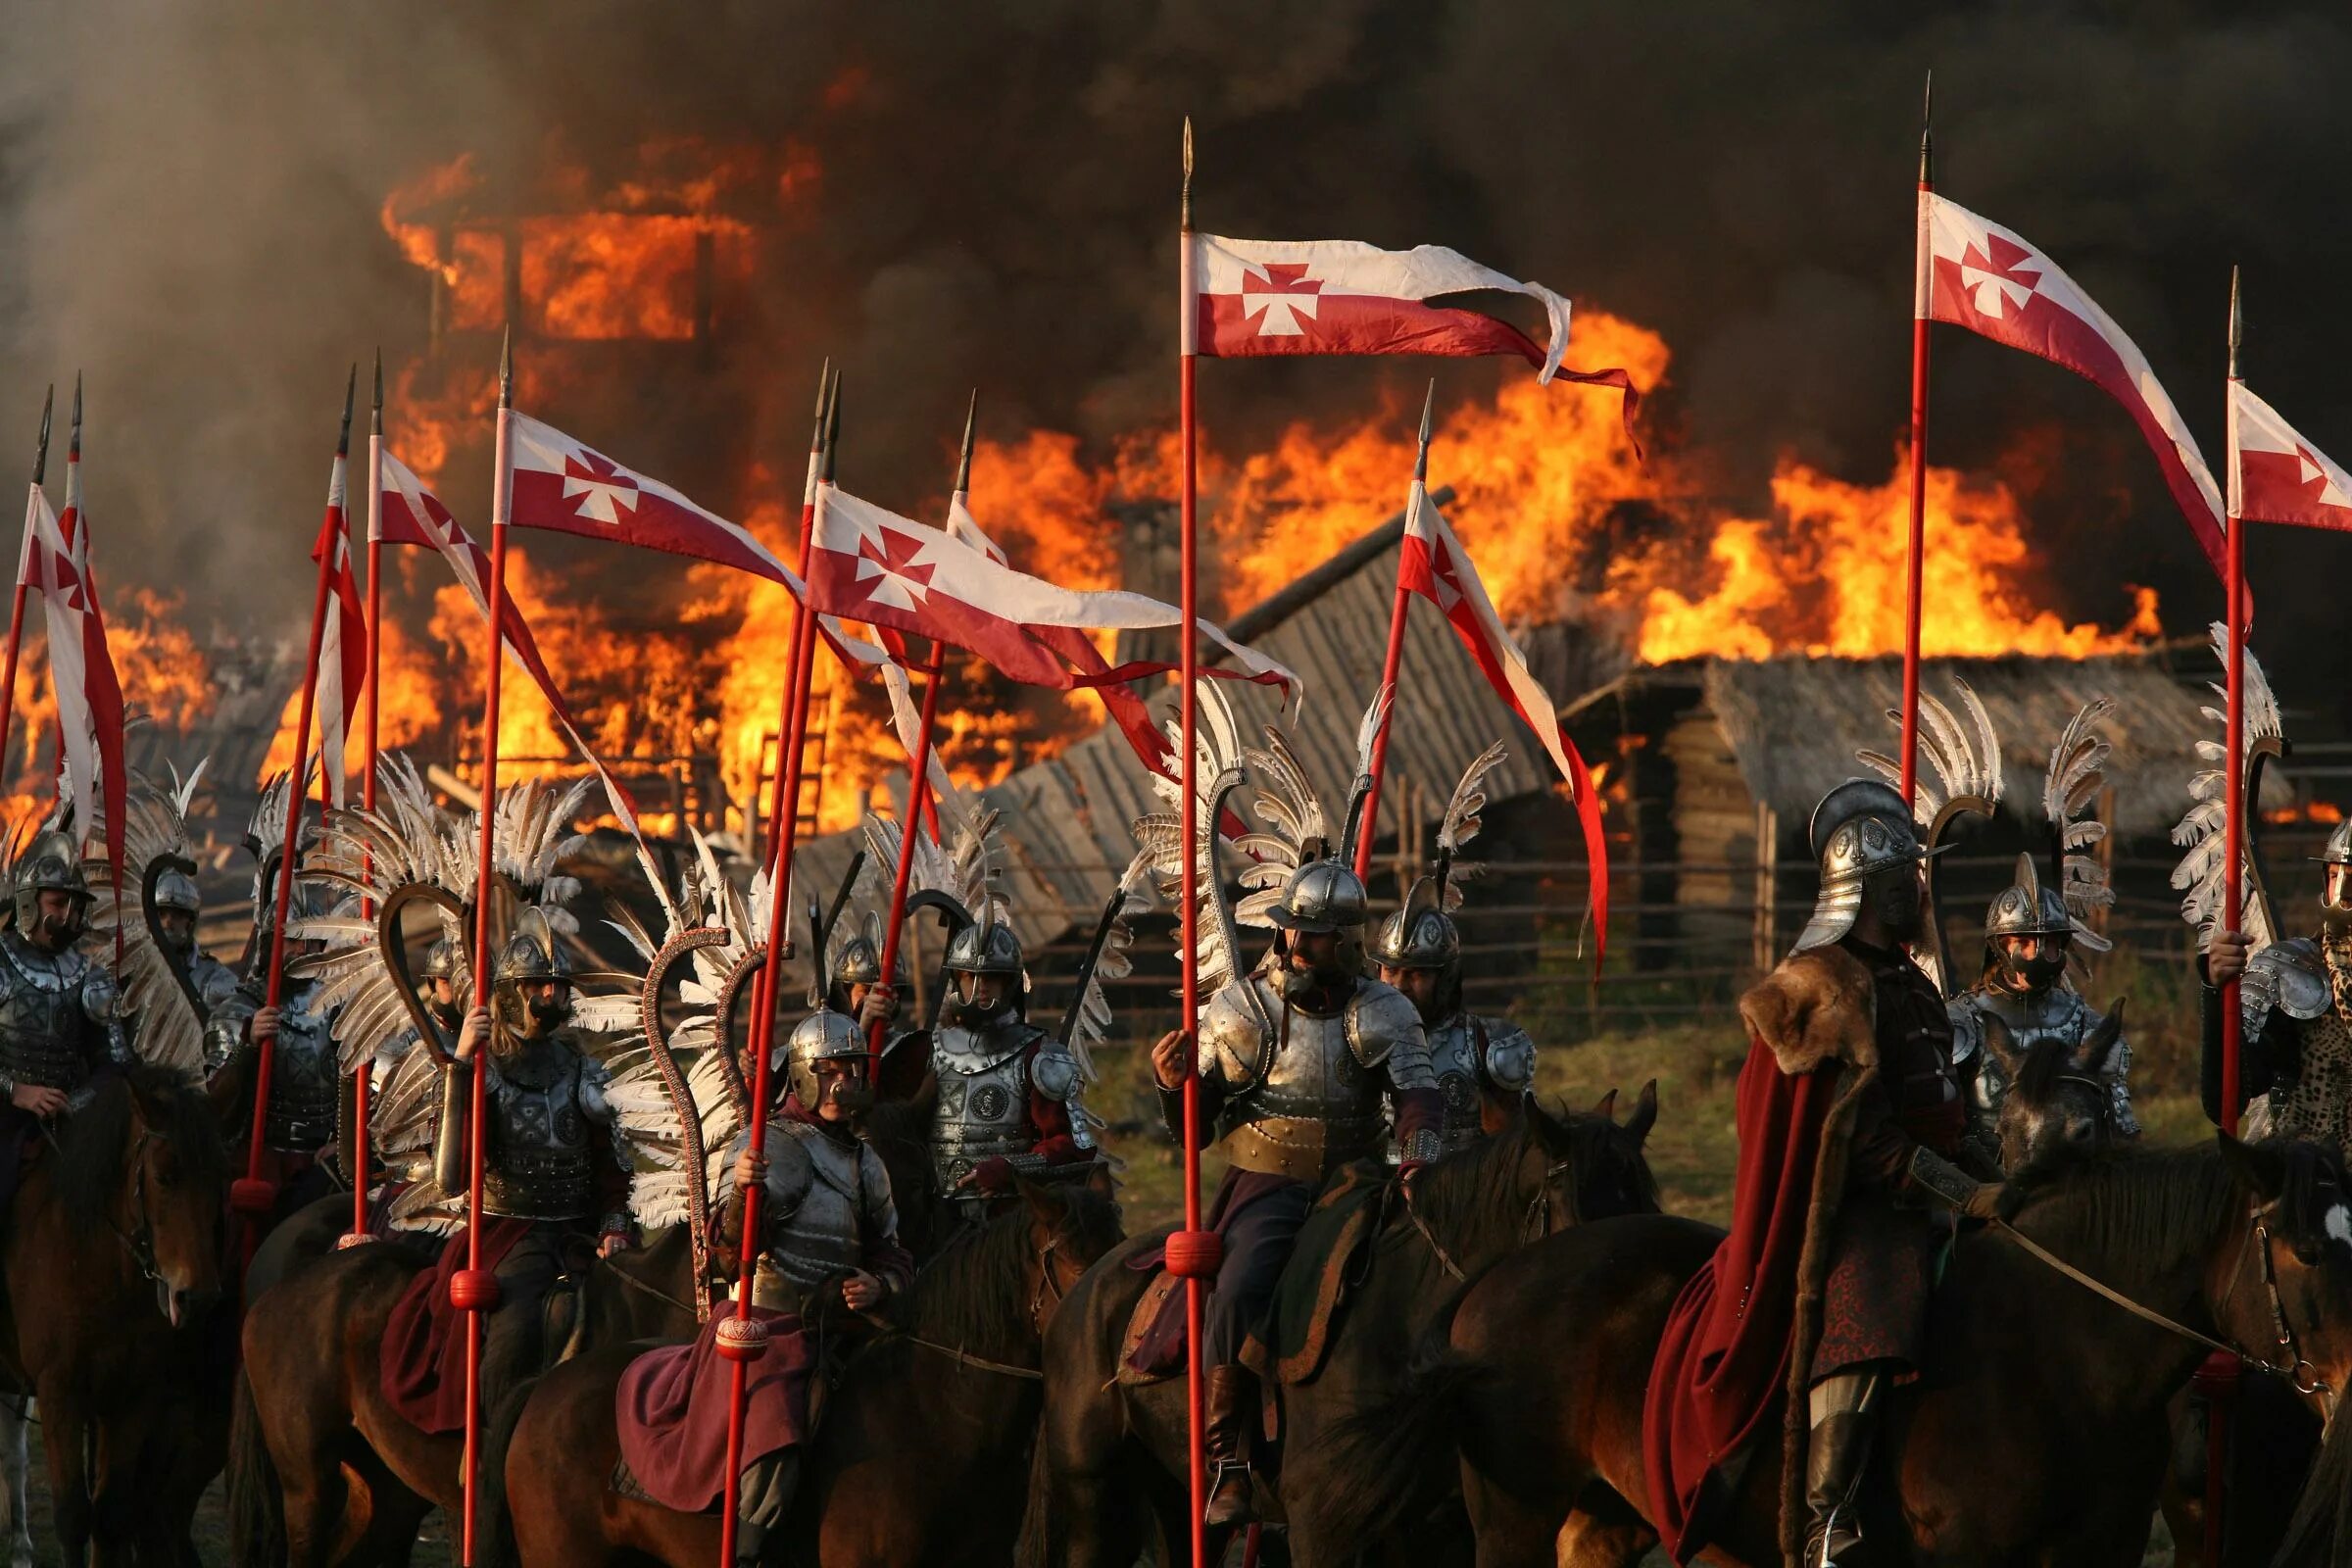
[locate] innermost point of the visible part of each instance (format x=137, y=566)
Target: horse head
x=1070, y=1226
x=145, y=1160
x=2060, y=1108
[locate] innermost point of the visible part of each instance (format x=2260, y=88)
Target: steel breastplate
x=538, y=1165
x=812, y=1216
x=1454, y=1058
x=303, y=1082
x=43, y=1030
x=983, y=1106
x=1312, y=1074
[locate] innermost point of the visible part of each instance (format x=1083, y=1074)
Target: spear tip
x=74, y=439
x=1188, y=172
x=1926, y=139
x=351, y=389
x=1429, y=407
x=2235, y=323
x=963, y=464
x=833, y=428
x=506, y=367
x=40, y=453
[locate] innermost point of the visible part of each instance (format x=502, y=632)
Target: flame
x=442, y=185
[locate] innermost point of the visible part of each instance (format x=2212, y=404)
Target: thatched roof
x=1793, y=723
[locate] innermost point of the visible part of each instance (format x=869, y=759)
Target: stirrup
x=1219, y=1470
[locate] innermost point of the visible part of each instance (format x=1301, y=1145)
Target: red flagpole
x=16, y=614
x=254, y=1194
x=1369, y=828
x=919, y=764
x=363, y=1086
x=1919, y=453
x=741, y=1338
x=474, y=1290
x=1192, y=1254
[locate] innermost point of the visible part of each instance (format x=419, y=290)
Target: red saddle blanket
x=423, y=1360
x=671, y=1408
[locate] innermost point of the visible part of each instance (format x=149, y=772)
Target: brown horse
x=113, y=1251
x=351, y=1480
x=2036, y=1434
x=920, y=1455
x=1113, y=1460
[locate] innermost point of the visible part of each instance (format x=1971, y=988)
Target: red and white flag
x=570, y=487
x=1974, y=274
x=412, y=514
x=81, y=669
x=1434, y=565
x=2277, y=476
x=872, y=565
x=342, y=637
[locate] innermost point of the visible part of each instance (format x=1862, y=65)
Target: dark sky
x=188, y=199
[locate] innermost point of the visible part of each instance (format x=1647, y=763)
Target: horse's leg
x=1605, y=1531
x=16, y=1465
x=300, y=1429
x=122, y=1523
x=64, y=1438
x=1509, y=1533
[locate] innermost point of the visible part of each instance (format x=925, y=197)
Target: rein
x=1537, y=1223
x=138, y=1241
x=1045, y=1282
x=2290, y=1367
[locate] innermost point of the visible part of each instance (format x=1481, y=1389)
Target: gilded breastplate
x=983, y=1108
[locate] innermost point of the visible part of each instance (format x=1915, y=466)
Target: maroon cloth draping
x=424, y=1367
x=671, y=1408
x=1722, y=1363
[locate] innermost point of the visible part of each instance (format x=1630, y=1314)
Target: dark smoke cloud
x=188, y=199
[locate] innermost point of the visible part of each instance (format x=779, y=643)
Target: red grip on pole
x=742, y=1339
x=473, y=1289
x=253, y=1195
x=1195, y=1255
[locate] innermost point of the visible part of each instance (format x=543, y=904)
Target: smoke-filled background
x=985, y=194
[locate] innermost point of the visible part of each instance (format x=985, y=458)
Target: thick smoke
x=188, y=198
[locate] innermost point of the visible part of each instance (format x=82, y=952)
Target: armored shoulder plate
x=1379, y=1020
x=1233, y=1043
x=594, y=1077
x=1054, y=1071
x=2290, y=976
x=791, y=1170
x=1967, y=1028
x=1510, y=1056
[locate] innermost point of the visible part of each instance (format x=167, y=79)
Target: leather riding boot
x=1845, y=1416
x=1232, y=1403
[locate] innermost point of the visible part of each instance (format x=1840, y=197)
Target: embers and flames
x=1549, y=497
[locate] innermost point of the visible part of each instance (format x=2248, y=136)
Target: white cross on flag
x=870, y=565
x=2277, y=476
x=342, y=637
x=1434, y=565
x=1973, y=273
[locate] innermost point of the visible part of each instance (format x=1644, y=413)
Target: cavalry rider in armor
x=305, y=1082
x=2295, y=998
x=554, y=1162
x=178, y=905
x=1849, y=1071
x=1302, y=1064
x=1483, y=1065
x=1007, y=1091
x=2024, y=999
x=828, y=1229
x=57, y=1008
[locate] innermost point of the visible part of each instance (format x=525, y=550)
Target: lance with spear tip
x=473, y=1289
x=16, y=614
x=1919, y=449
x=363, y=1087
x=741, y=1338
x=1386, y=696
x=254, y=1194
x=911, y=821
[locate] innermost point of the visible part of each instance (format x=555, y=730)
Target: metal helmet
x=985, y=946
x=1859, y=829
x=531, y=953
x=49, y=864
x=1420, y=935
x=174, y=889
x=1321, y=896
x=445, y=960
x=822, y=1035
x=858, y=963
x=2025, y=908
x=2338, y=849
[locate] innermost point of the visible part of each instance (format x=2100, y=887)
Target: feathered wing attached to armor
x=266, y=842
x=1217, y=768
x=170, y=1031
x=1359, y=786
x=1089, y=1015
x=1460, y=824
x=2070, y=790
x=1962, y=778
x=2202, y=830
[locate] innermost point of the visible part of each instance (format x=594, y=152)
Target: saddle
x=1327, y=1261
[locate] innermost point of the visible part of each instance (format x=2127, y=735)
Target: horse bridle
x=1533, y=1227
x=1048, y=1292
x=139, y=1240
x=2291, y=1365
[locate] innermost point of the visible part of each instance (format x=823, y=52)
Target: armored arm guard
x=2119, y=1080
x=224, y=1028
x=1968, y=1031
x=608, y=1160
x=1939, y=1179
x=102, y=1004
x=1229, y=1046
x=1511, y=1064
x=1055, y=1085
x=449, y=1138
x=1384, y=1031
x=2285, y=985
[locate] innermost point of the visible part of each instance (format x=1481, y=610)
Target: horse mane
x=2046, y=1062
x=88, y=1169
x=973, y=1295
x=1475, y=1199
x=2131, y=1216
